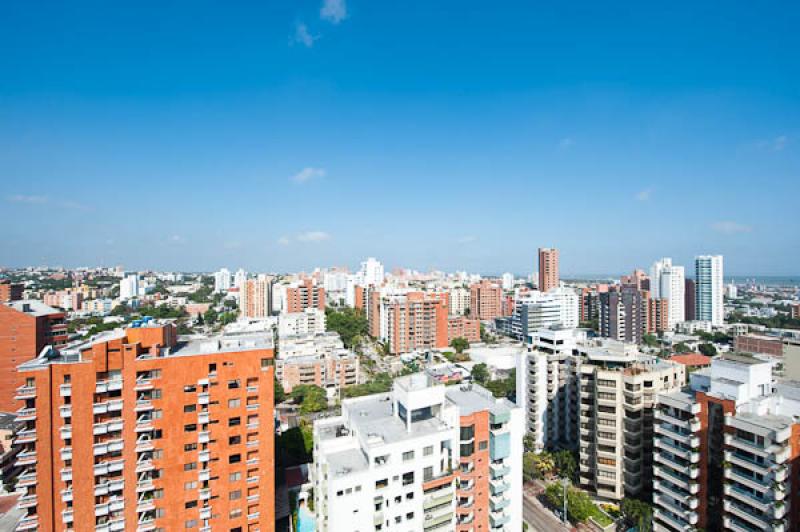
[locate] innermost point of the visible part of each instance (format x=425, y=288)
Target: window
x=191, y=427
x=233, y=477
x=212, y=368
x=234, y=422
x=409, y=516
x=482, y=445
x=380, y=484
x=190, y=447
x=235, y=495
x=234, y=440
x=409, y=495
x=191, y=466
x=408, y=478
x=234, y=403
x=155, y=393
x=189, y=408
x=408, y=455
x=189, y=388
x=191, y=523
x=267, y=362
x=467, y=433
x=427, y=451
x=233, y=384
x=236, y=512
x=234, y=458
x=190, y=485
x=427, y=473
x=190, y=504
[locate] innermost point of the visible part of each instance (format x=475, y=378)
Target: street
x=539, y=518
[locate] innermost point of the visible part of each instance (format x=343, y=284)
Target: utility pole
x=565, y=484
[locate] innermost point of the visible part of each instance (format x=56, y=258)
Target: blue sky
x=461, y=135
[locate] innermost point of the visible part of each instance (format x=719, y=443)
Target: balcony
x=499, y=470
x=143, y=405
x=106, y=427
x=144, y=485
x=108, y=467
x=25, y=436
x=748, y=497
x=66, y=495
x=25, y=392
x=143, y=384
x=28, y=523
x=145, y=505
x=144, y=424
x=498, y=486
x=204, y=436
x=204, y=494
x=26, y=458
x=203, y=398
x=108, y=385
x=65, y=390
x=26, y=501
x=746, y=513
x=498, y=503
x=66, y=474
x=26, y=479
x=26, y=414
x=203, y=418
x=67, y=516
x=143, y=466
x=144, y=444
x=498, y=520
x=112, y=486
x=106, y=447
x=105, y=407
x=204, y=475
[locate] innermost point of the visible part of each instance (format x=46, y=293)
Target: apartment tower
x=548, y=269
x=138, y=430
x=26, y=327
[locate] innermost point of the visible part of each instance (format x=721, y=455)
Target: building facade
x=137, y=430
x=486, y=300
x=667, y=281
x=709, y=302
x=548, y=269
x=304, y=294
x=26, y=327
x=423, y=457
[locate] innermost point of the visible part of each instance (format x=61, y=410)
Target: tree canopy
x=480, y=373
x=350, y=323
x=460, y=344
x=311, y=398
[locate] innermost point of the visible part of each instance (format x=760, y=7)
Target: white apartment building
x=708, y=289
x=667, y=281
x=423, y=457
x=239, y=278
x=129, y=287
x=310, y=321
x=371, y=272
x=541, y=310
x=723, y=447
x=508, y=281
x=222, y=280
x=547, y=387
x=459, y=301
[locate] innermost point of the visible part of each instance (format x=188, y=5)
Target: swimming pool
x=305, y=520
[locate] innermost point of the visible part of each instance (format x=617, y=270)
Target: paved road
x=539, y=518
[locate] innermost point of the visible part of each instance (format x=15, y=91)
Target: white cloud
x=283, y=241
x=176, y=239
x=566, y=143
x=730, y=228
x=303, y=36
x=467, y=239
x=307, y=174
x=44, y=200
x=776, y=144
x=644, y=195
x=313, y=236
x=333, y=11
x=22, y=198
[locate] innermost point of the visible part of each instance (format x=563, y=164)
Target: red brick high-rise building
x=26, y=327
x=548, y=269
x=303, y=295
x=418, y=320
x=486, y=300
x=140, y=431
x=10, y=291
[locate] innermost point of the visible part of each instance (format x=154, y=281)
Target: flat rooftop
x=742, y=358
x=32, y=307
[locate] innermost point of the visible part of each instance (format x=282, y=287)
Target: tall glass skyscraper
x=708, y=289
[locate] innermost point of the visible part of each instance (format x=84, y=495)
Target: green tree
x=565, y=464
x=279, y=393
x=311, y=398
x=480, y=373
x=650, y=340
x=637, y=513
x=350, y=323
x=460, y=344
x=681, y=347
x=707, y=349
x=382, y=382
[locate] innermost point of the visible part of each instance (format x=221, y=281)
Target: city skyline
x=283, y=137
